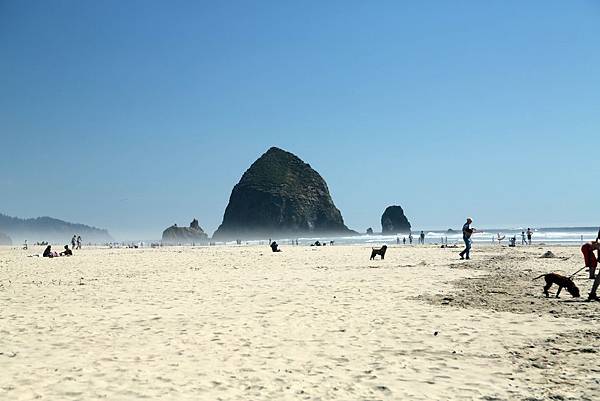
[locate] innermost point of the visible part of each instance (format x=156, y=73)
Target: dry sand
x=243, y=323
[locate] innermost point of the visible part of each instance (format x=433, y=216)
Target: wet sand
x=234, y=323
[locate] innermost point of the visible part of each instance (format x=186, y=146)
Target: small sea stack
x=193, y=234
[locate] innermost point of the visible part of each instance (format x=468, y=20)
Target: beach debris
x=548, y=255
x=435, y=333
x=383, y=388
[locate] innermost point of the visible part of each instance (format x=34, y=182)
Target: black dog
x=561, y=281
x=378, y=251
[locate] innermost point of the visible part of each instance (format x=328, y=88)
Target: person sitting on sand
x=591, y=261
x=274, y=247
x=67, y=251
x=48, y=253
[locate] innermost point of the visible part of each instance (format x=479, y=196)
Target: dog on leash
x=378, y=251
x=561, y=281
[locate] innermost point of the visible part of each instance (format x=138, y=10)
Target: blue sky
x=135, y=115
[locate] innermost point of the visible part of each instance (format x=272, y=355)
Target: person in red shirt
x=591, y=261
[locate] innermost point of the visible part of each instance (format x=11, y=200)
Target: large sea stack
x=185, y=235
x=280, y=196
x=393, y=221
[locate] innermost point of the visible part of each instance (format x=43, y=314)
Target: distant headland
x=49, y=229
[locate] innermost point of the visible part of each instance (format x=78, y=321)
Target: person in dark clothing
x=67, y=251
x=467, y=232
x=275, y=247
x=48, y=252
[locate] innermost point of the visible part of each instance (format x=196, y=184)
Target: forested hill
x=50, y=229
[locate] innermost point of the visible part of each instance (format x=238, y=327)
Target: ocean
x=546, y=235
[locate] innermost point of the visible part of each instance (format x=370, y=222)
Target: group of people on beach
x=421, y=239
x=527, y=234
x=590, y=259
x=76, y=242
x=49, y=253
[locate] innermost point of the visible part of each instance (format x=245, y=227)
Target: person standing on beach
x=529, y=234
x=523, y=241
x=78, y=242
x=73, y=241
x=590, y=260
x=467, y=232
x=403, y=240
x=422, y=238
x=410, y=238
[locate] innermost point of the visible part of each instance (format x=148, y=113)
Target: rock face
x=5, y=239
x=185, y=235
x=280, y=195
x=394, y=221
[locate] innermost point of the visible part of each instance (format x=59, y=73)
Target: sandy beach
x=243, y=323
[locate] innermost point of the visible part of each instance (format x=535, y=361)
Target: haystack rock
x=185, y=235
x=5, y=239
x=280, y=195
x=393, y=221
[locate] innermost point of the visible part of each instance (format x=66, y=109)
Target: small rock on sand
x=548, y=255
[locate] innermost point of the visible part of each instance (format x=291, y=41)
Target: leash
x=573, y=275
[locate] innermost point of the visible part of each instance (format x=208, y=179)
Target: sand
x=243, y=323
